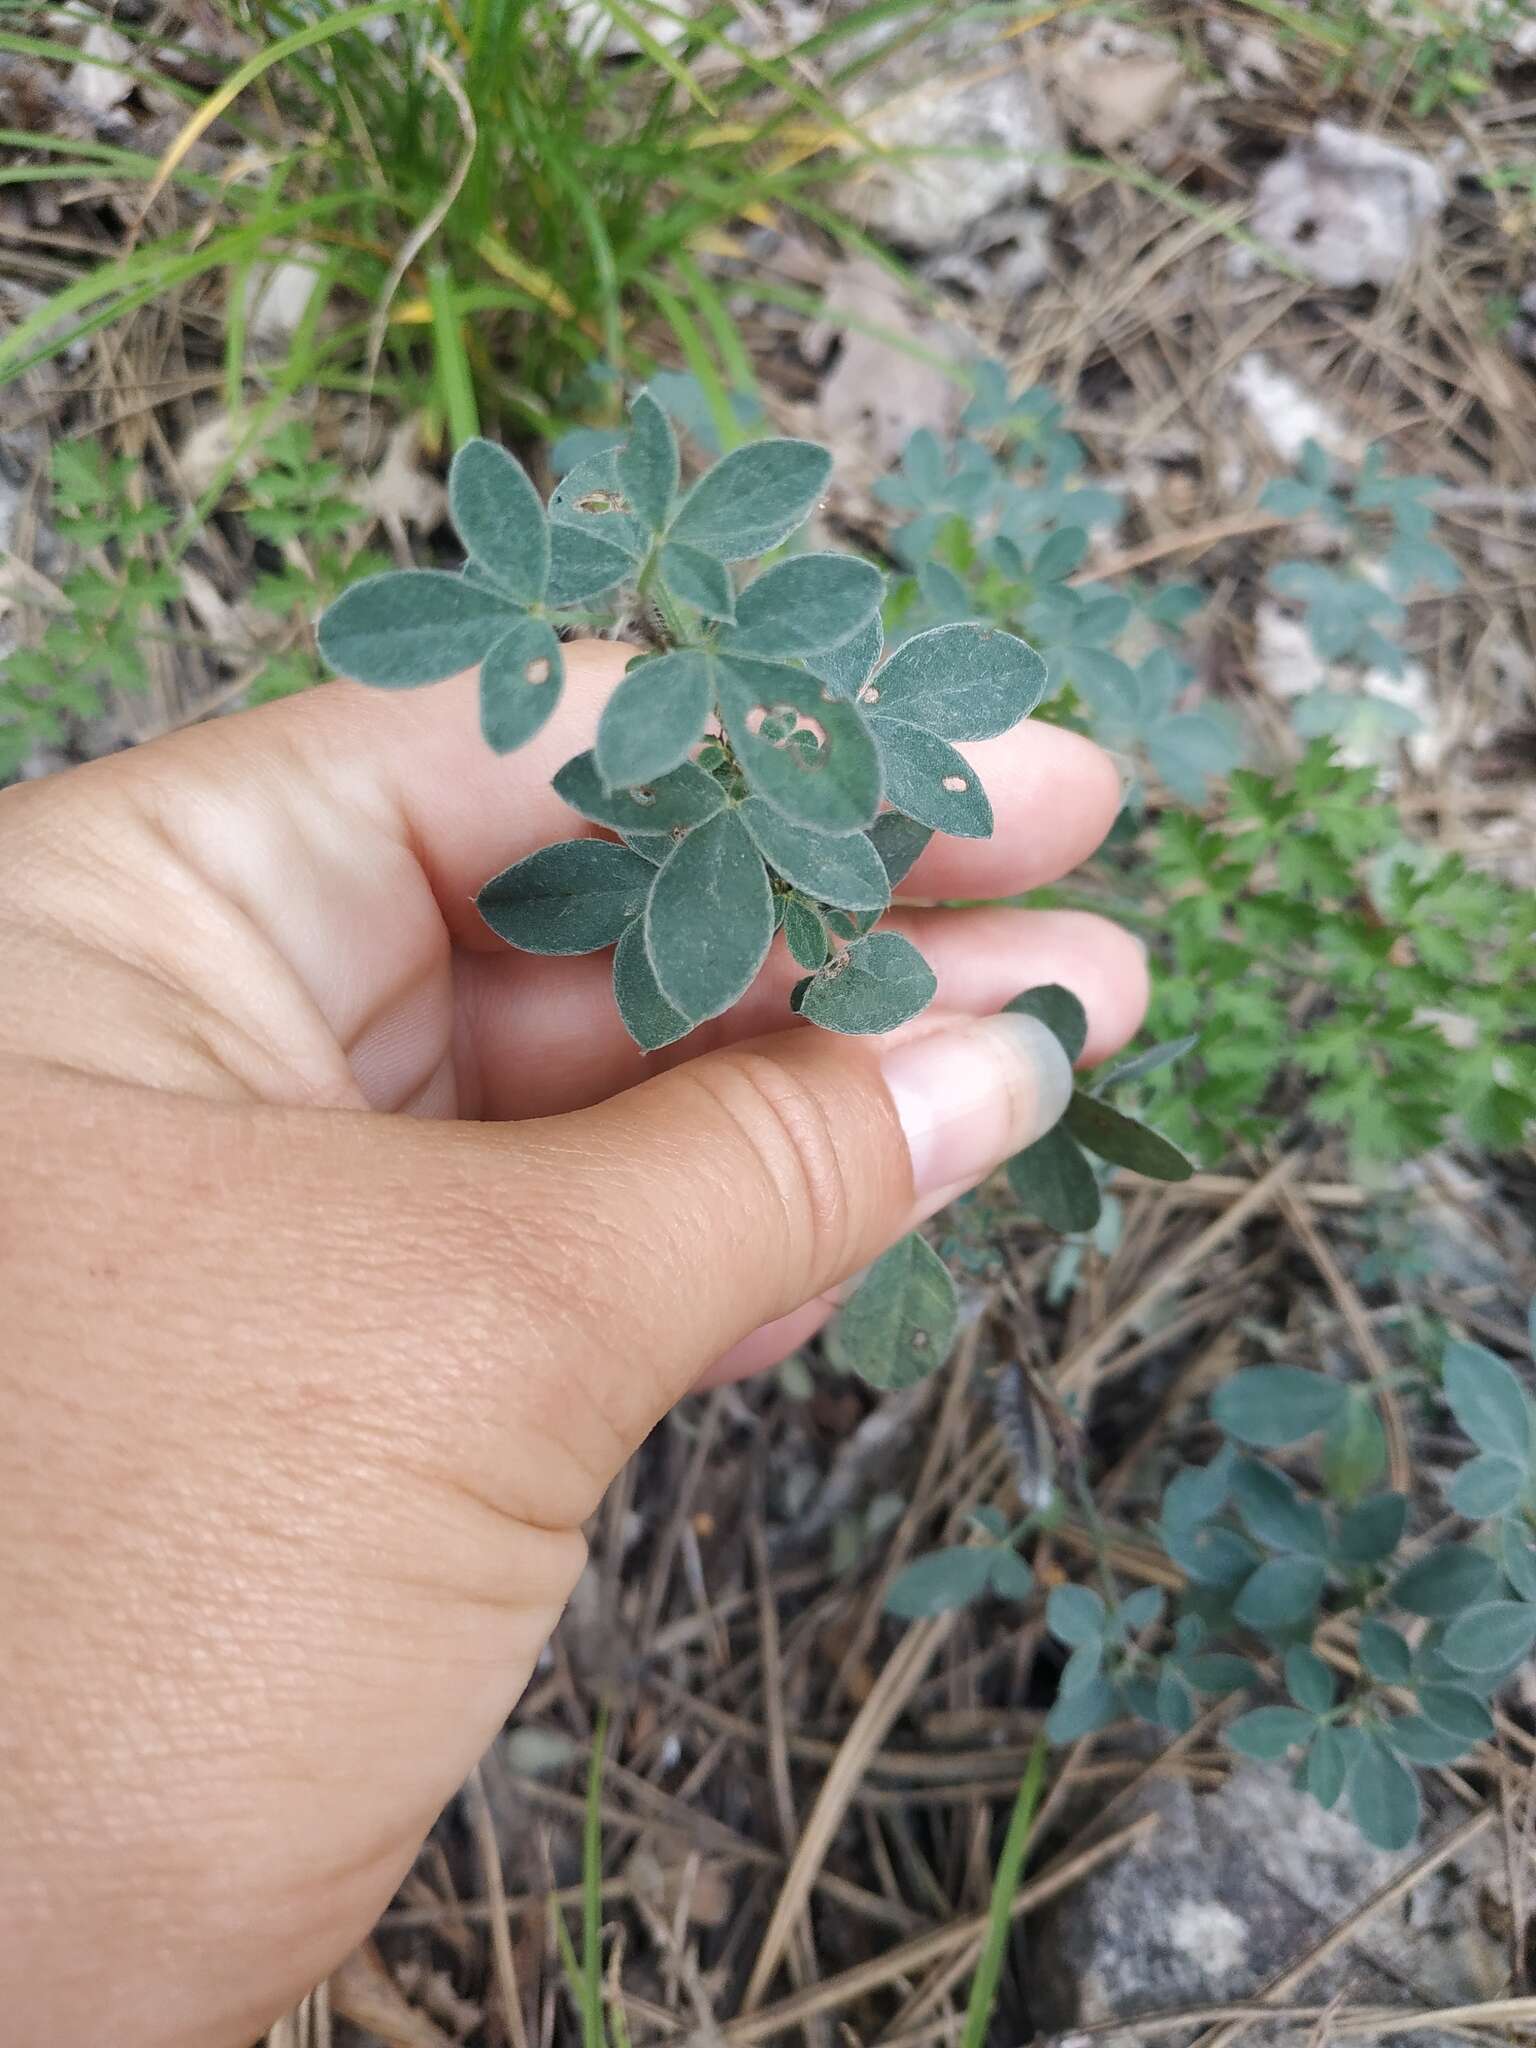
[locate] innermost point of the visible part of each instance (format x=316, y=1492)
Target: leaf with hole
x=1053, y=1181
x=1489, y=1637
x=1123, y=1141
x=582, y=566
x=647, y=465
x=1273, y=1511
x=1280, y=1593
x=940, y=1582
x=648, y=1017
x=806, y=605
x=846, y=669
x=753, y=498
x=968, y=682
x=709, y=918
x=805, y=935
x=900, y=1323
x=520, y=684
x=591, y=498
x=412, y=626
x=834, y=785
x=1487, y=1400
x=873, y=985
x=1059, y=1010
x=1266, y=1733
x=929, y=781
x=1268, y=1405
x=685, y=796
x=1449, y=1580
x=1384, y=1796
x=846, y=872
x=654, y=718
x=574, y=897
x=499, y=516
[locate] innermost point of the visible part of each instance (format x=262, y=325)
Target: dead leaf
x=364, y=1992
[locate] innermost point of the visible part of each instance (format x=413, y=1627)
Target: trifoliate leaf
x=832, y=784
x=654, y=718
x=873, y=985
x=900, y=1323
x=647, y=465
x=1383, y=1796
x=753, y=498
x=1052, y=1180
x=499, y=516
x=685, y=796
x=968, y=682
x=846, y=669
x=846, y=871
x=806, y=605
x=899, y=842
x=940, y=1582
x=1281, y=1592
x=591, y=498
x=1487, y=1400
x=1447, y=1582
x=649, y=1018
x=1059, y=1010
x=582, y=566
x=1487, y=1638
x=570, y=898
x=699, y=580
x=805, y=935
x=1269, y=1405
x=1123, y=1141
x=929, y=781
x=412, y=626
x=1076, y=1614
x=709, y=920
x=520, y=683
x=1267, y=1733
x=1273, y=1511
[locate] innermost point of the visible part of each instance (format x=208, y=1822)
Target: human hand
x=303, y=1406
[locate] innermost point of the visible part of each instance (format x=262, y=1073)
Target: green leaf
x=967, y=682
x=1076, y=1614
x=1354, y=1448
x=1384, y=1653
x=805, y=935
x=411, y=626
x=1448, y=1581
x=846, y=669
x=1273, y=1511
x=520, y=683
x=591, y=498
x=873, y=985
x=499, y=516
x=1059, y=1010
x=753, y=498
x=1485, y=1487
x=900, y=1323
x=1487, y=1638
x=1083, y=1713
x=698, y=580
x=1280, y=1593
x=1123, y=1141
x=1327, y=1767
x=654, y=718
x=1198, y=1492
x=835, y=786
x=940, y=1582
x=806, y=605
x=709, y=918
x=682, y=798
x=1459, y=1713
x=1060, y=554
x=1266, y=1733
x=1012, y=1578
x=1487, y=1400
x=1143, y=1063
x=929, y=781
x=1211, y=1555
x=1276, y=1404
x=846, y=872
x=647, y=464
x=1373, y=1530
x=1383, y=1796
x=1083, y=1666
x=1219, y=1671
x=582, y=565
x=1518, y=1557
x=648, y=1017
x=1141, y=1610
x=1422, y=1742
x=1174, y=1707
x=570, y=898
x=899, y=842
x=1053, y=1181
x=1309, y=1681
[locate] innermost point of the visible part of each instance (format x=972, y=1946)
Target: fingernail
x=971, y=1094
x=1126, y=769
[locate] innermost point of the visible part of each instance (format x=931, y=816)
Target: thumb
x=741, y=1185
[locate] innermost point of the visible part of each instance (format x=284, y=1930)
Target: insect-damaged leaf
x=520, y=684
x=648, y=1017
x=872, y=985
x=845, y=871
x=1052, y=1180
x=805, y=935
x=1059, y=1010
x=753, y=498
x=845, y=669
x=685, y=796
x=806, y=605
x=591, y=498
x=968, y=682
x=1122, y=1141
x=899, y=841
x=582, y=566
x=929, y=781
x=647, y=465
x=653, y=718
x=698, y=580
x=900, y=1323
x=709, y=920
x=412, y=626
x=499, y=516
x=832, y=786
x=570, y=898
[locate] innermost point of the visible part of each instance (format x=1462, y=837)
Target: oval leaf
x=699, y=580
x=833, y=786
x=1283, y=1591
x=647, y=464
x=1083, y=1712
x=1052, y=1179
x=1373, y=1530
x=582, y=566
x=968, y=682
x=1275, y=1513
x=1422, y=1742
x=1488, y=1638
x=1487, y=1400
x=899, y=842
x=499, y=516
x=1123, y=1141
x=685, y=797
x=1383, y=1796
x=846, y=871
x=940, y=1582
x=1076, y=1614
x=1059, y=1010
x=805, y=935
x=1308, y=1680
x=1384, y=1653
x=1267, y=1733
x=1276, y=1404
x=1448, y=1581
x=753, y=498
x=900, y=1323
x=873, y=985
x=709, y=920
x=1327, y=1767
x=520, y=684
x=591, y=498
x=570, y=898
x=1485, y=1487
x=411, y=626
x=806, y=605
x=648, y=1017
x=929, y=781
x=1459, y=1713
x=654, y=718
x=846, y=669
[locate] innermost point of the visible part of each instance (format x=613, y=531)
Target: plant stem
x=1005, y=1882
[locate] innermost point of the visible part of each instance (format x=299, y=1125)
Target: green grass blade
x=455, y=384
x=1005, y=1882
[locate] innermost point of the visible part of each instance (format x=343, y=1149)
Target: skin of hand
x=345, y=1256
